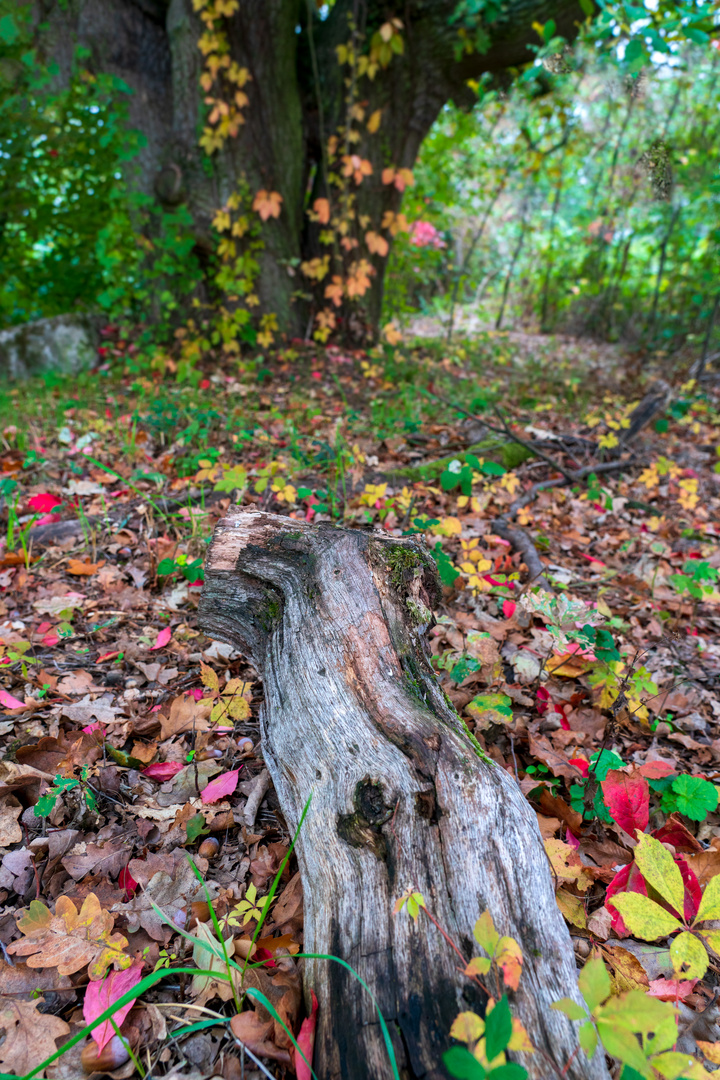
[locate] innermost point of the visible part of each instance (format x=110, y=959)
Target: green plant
x=46, y=803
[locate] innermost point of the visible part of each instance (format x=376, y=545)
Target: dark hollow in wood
x=334, y=620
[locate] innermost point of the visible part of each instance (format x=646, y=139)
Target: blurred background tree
x=252, y=160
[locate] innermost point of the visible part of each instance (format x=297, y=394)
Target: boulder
x=65, y=344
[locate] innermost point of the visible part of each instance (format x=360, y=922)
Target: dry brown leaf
x=69, y=940
x=84, y=569
x=10, y=830
x=255, y=1034
x=186, y=714
x=30, y=1035
x=21, y=982
x=557, y=763
x=548, y=826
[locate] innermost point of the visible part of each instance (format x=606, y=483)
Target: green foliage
x=605, y=224
x=193, y=571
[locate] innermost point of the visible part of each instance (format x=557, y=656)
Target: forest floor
x=130, y=740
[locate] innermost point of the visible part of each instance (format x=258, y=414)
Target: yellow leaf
x=468, y=1027
x=572, y=908
x=689, y=958
x=710, y=1050
x=508, y=957
x=660, y=870
x=520, y=1040
x=673, y=1064
x=374, y=121
x=209, y=677
x=644, y=918
x=710, y=903
x=485, y=933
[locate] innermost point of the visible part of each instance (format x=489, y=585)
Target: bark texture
x=353, y=719
x=152, y=46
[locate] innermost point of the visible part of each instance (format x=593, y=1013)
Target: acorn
x=112, y=1056
x=209, y=847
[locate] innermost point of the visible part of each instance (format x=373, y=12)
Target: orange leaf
x=267, y=204
x=84, y=569
x=322, y=209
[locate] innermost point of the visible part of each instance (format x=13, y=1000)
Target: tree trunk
x=153, y=46
x=353, y=720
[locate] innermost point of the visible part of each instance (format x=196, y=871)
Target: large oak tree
x=297, y=95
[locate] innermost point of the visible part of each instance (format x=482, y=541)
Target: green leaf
x=594, y=983
x=194, y=827
x=491, y=468
x=660, y=870
x=696, y=798
x=511, y=1071
x=165, y=567
x=710, y=903
x=571, y=1008
x=622, y=1044
x=588, y=1039
x=689, y=958
x=459, y=1062
x=498, y=1028
x=602, y=762
x=644, y=918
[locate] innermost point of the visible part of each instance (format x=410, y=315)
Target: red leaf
x=162, y=639
x=582, y=765
x=99, y=996
x=163, y=770
x=509, y=608
x=44, y=503
x=10, y=702
x=221, y=786
x=671, y=989
x=674, y=832
x=627, y=797
x=629, y=879
x=306, y=1041
x=693, y=893
x=127, y=882
x=655, y=770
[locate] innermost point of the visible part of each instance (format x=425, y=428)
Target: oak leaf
x=69, y=940
x=30, y=1036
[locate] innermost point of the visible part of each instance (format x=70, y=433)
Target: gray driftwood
x=334, y=620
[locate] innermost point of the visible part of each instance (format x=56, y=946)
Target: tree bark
x=354, y=721
x=152, y=46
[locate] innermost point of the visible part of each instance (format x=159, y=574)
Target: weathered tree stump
x=334, y=621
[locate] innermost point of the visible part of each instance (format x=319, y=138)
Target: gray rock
x=65, y=344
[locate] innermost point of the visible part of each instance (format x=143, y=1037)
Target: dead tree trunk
x=334, y=620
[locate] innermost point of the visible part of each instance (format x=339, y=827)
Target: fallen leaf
x=306, y=1042
x=186, y=714
x=10, y=702
x=10, y=830
x=84, y=569
x=20, y=981
x=162, y=639
x=221, y=786
x=100, y=995
x=30, y=1036
x=671, y=989
x=69, y=940
x=626, y=971
x=254, y=1033
x=162, y=771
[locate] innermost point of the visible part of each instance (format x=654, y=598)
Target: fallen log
x=334, y=621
